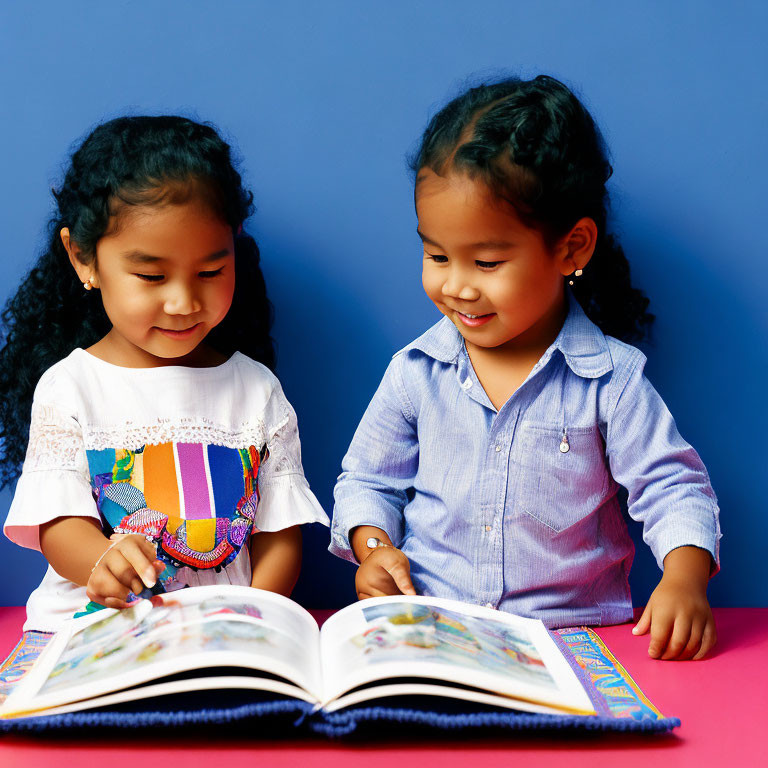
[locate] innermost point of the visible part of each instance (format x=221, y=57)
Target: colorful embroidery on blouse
x=196, y=502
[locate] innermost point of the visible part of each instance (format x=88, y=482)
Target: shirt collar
x=582, y=344
x=580, y=341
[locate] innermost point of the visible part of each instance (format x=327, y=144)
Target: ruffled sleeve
x=55, y=481
x=285, y=496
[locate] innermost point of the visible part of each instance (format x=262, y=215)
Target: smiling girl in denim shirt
x=487, y=466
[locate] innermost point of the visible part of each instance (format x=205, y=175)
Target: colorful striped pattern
x=192, y=485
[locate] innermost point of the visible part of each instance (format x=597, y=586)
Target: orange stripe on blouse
x=161, y=489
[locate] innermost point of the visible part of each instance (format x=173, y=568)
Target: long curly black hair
x=536, y=146
x=124, y=162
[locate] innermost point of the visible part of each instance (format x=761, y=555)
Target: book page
x=410, y=638
x=191, y=629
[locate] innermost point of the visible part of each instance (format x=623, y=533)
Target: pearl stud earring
x=577, y=273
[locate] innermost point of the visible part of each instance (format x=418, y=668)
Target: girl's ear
x=85, y=272
x=577, y=247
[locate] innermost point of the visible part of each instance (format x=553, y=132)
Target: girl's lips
x=171, y=334
x=474, y=322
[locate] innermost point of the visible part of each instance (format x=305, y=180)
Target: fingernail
x=149, y=577
x=635, y=630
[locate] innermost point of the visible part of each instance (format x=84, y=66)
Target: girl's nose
x=180, y=300
x=457, y=286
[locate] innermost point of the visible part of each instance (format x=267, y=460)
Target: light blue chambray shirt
x=487, y=507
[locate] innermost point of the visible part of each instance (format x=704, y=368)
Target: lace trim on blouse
x=56, y=441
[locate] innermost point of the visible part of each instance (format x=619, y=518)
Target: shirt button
x=489, y=605
x=488, y=527
x=498, y=448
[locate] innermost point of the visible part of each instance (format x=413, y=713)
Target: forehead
x=463, y=209
x=186, y=231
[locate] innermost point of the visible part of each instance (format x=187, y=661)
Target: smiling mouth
x=474, y=321
x=178, y=334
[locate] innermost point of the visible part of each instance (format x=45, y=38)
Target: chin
x=172, y=354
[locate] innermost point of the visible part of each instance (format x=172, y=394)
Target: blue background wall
x=324, y=99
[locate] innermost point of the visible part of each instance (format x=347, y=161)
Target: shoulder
x=627, y=379
x=254, y=371
x=421, y=367
x=262, y=392
x=60, y=383
x=626, y=359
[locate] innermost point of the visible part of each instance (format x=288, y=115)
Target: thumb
x=644, y=623
x=402, y=577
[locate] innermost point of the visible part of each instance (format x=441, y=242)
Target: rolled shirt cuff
x=687, y=533
x=389, y=521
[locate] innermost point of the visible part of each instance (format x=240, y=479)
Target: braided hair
x=536, y=147
x=125, y=162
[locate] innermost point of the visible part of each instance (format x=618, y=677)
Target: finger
x=367, y=582
x=113, y=602
x=147, y=547
x=123, y=571
x=374, y=587
x=402, y=578
x=708, y=640
x=681, y=633
x=372, y=592
x=694, y=641
x=644, y=622
x=661, y=629
x=134, y=551
x=103, y=585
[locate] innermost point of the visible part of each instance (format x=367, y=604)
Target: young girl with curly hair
x=162, y=451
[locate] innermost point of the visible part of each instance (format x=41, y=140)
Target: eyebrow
x=484, y=245
x=139, y=257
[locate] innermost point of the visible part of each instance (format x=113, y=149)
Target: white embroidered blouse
x=195, y=457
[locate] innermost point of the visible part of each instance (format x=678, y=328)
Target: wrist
x=688, y=564
x=361, y=536
x=110, y=544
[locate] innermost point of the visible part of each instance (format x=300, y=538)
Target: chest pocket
x=558, y=488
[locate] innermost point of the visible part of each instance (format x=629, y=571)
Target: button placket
x=501, y=449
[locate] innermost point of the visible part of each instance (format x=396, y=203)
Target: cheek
x=431, y=283
x=123, y=300
x=222, y=294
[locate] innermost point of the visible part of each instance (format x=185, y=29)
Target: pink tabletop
x=722, y=702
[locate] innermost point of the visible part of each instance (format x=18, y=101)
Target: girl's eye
x=211, y=272
x=150, y=278
x=487, y=264
x=437, y=257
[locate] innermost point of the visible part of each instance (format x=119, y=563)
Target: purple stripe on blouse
x=195, y=481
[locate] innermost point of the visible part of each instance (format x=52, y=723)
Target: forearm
x=276, y=560
x=690, y=564
x=72, y=545
x=358, y=536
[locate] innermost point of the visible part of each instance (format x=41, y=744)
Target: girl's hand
x=678, y=614
x=127, y=565
x=386, y=571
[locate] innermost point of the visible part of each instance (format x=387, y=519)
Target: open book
x=226, y=638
